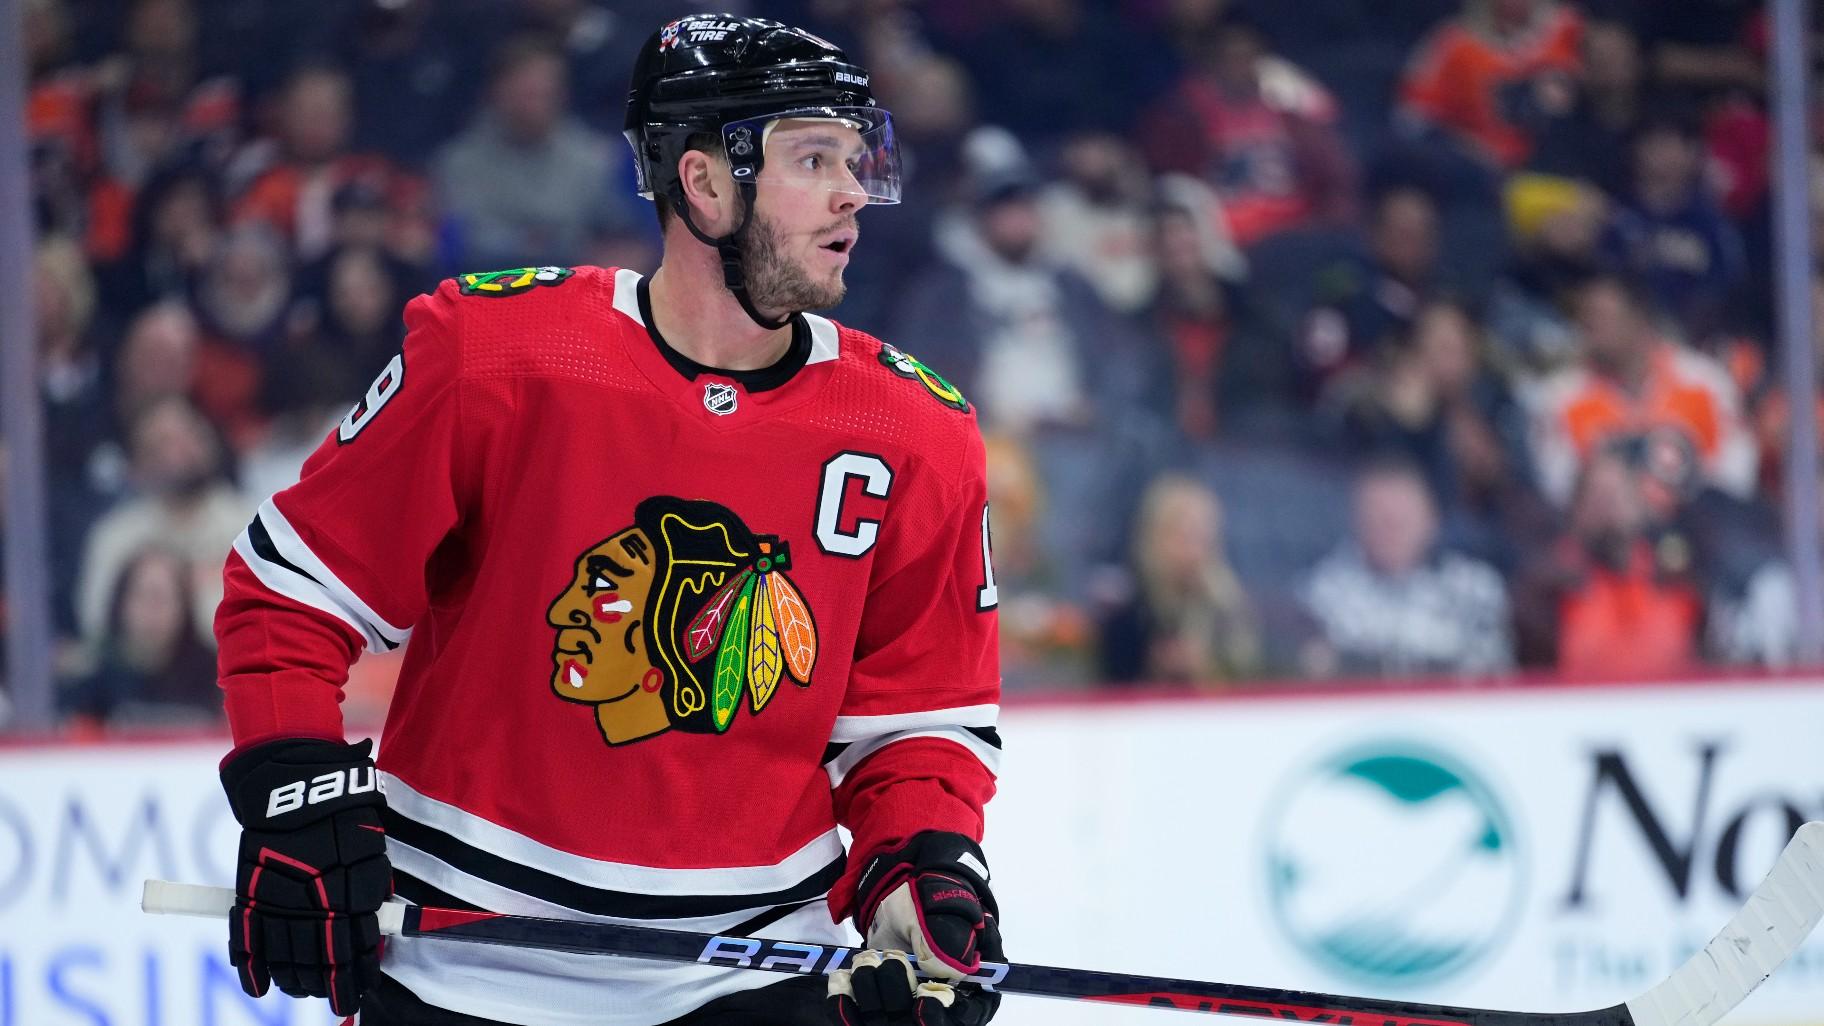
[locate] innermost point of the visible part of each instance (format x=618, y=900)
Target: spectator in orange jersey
x=1633, y=385
x=1493, y=76
x=1615, y=598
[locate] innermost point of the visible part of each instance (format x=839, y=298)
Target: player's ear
x=710, y=191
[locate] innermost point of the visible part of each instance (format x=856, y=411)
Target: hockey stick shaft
x=791, y=957
x=1776, y=920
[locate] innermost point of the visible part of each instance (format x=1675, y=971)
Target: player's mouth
x=575, y=673
x=841, y=243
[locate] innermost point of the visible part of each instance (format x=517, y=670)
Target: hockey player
x=692, y=577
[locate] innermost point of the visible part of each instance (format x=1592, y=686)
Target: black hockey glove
x=880, y=989
x=312, y=869
x=930, y=898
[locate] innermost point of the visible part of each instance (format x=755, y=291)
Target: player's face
x=803, y=227
x=600, y=654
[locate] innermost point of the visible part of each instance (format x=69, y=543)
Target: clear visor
x=849, y=150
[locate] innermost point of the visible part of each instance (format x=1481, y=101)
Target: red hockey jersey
x=669, y=627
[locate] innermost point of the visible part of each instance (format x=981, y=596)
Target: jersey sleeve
x=915, y=745
x=337, y=562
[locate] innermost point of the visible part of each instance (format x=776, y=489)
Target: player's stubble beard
x=776, y=282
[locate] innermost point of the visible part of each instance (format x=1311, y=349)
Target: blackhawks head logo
x=674, y=621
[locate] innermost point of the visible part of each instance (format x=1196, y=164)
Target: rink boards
x=1539, y=848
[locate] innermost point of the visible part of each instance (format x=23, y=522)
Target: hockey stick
x=1778, y=917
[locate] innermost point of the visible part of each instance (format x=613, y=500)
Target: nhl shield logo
x=719, y=399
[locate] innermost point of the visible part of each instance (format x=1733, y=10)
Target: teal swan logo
x=1392, y=863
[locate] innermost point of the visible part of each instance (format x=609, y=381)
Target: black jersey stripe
x=986, y=735
x=263, y=545
x=418, y=892
x=548, y=887
x=260, y=538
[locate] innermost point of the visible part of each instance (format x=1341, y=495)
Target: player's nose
x=847, y=197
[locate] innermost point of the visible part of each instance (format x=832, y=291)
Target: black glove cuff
x=286, y=784
x=932, y=850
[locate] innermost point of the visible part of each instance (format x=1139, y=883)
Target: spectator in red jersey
x=1260, y=132
x=1492, y=76
x=1615, y=598
x=308, y=160
x=153, y=668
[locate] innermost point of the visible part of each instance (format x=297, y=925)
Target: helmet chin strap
x=729, y=249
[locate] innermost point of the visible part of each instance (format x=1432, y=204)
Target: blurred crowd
x=1343, y=339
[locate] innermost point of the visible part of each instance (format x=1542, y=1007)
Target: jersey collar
x=763, y=379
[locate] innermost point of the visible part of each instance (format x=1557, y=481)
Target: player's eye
x=854, y=164
x=812, y=162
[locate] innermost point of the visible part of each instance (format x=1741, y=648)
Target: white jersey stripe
x=499, y=898
x=851, y=757
x=292, y=547
x=295, y=586
x=609, y=876
x=860, y=728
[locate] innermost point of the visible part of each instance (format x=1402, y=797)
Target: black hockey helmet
x=735, y=78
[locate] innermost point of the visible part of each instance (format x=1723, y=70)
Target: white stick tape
x=163, y=897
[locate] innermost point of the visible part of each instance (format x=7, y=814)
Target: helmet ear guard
x=728, y=247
